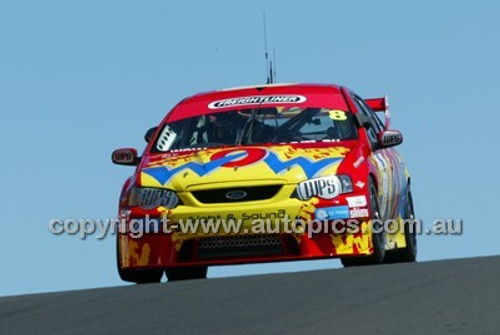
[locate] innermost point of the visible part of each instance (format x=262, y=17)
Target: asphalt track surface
x=441, y=297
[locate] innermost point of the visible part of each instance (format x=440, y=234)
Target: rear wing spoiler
x=380, y=105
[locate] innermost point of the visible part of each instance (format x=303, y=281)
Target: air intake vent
x=237, y=194
x=240, y=246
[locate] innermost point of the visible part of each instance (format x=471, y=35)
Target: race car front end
x=229, y=220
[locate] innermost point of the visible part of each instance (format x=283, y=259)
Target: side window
x=371, y=114
x=375, y=128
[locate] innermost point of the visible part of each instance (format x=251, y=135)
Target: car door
x=384, y=160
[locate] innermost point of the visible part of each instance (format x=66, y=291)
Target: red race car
x=262, y=174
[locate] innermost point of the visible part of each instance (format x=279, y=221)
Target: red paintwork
x=328, y=96
x=377, y=104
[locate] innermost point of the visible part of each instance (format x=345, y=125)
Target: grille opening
x=252, y=193
x=240, y=246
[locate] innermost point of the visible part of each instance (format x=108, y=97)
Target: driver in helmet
x=226, y=129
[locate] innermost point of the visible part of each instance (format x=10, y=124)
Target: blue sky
x=81, y=78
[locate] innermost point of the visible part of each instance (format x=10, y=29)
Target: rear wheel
x=409, y=253
x=182, y=273
x=138, y=276
x=378, y=238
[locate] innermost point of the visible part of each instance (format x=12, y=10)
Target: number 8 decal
x=337, y=115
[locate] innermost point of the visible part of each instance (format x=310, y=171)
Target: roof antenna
x=273, y=68
x=271, y=72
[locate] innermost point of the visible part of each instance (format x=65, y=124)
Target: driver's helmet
x=341, y=130
x=225, y=130
x=346, y=130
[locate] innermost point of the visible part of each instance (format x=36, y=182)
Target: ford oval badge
x=236, y=194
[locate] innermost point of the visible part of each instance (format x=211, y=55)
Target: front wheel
x=183, y=273
x=379, y=238
x=141, y=276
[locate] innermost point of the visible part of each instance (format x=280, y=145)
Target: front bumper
x=179, y=247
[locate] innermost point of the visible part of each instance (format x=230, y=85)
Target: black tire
x=184, y=273
x=145, y=276
x=138, y=276
x=378, y=255
x=409, y=253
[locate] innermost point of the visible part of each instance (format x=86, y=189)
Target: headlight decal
x=324, y=187
x=149, y=198
x=327, y=187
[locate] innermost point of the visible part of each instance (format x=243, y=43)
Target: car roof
x=311, y=95
x=278, y=87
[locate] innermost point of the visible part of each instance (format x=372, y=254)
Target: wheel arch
x=372, y=176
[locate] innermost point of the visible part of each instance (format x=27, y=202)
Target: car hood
x=222, y=167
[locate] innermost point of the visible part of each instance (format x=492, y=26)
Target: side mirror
x=125, y=156
x=149, y=134
x=390, y=138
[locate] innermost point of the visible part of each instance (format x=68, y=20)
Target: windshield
x=256, y=126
